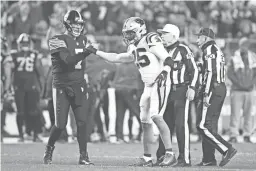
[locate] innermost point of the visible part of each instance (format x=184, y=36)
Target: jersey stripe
x=149, y=36
x=189, y=71
x=56, y=43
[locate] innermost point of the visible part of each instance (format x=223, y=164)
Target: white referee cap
x=170, y=28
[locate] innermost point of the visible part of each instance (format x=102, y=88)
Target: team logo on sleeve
x=190, y=55
x=211, y=56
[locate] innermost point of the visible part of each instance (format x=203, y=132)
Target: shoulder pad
x=153, y=38
x=57, y=42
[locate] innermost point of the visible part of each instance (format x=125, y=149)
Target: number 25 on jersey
x=141, y=59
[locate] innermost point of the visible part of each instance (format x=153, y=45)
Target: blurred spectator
x=126, y=85
x=102, y=101
x=242, y=73
x=23, y=17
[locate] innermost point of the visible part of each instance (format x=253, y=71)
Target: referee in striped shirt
x=184, y=79
x=214, y=93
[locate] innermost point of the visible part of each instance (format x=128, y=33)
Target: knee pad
x=157, y=118
x=145, y=119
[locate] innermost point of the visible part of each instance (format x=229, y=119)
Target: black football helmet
x=74, y=23
x=24, y=42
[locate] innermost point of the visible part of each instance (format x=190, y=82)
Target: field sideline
x=108, y=157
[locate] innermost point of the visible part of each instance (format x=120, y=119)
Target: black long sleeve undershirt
x=68, y=59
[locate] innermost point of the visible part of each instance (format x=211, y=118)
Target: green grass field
x=108, y=157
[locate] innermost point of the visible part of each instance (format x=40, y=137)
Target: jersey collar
x=174, y=45
x=208, y=44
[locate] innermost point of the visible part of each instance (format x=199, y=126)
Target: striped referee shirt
x=188, y=73
x=213, y=65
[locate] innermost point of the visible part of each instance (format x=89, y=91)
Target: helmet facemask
x=24, y=42
x=130, y=37
x=133, y=30
x=77, y=28
x=74, y=23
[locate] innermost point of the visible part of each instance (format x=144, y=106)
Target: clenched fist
x=91, y=49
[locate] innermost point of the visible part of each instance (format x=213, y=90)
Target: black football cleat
x=143, y=163
x=212, y=163
x=48, y=154
x=169, y=160
x=158, y=161
x=228, y=156
x=84, y=159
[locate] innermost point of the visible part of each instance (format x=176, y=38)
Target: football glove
x=161, y=78
x=91, y=49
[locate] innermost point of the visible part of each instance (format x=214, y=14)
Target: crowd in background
x=231, y=20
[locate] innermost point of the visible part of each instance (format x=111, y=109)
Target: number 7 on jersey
x=79, y=64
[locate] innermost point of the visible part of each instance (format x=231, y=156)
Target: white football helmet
x=133, y=30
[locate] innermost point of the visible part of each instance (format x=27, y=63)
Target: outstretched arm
x=114, y=57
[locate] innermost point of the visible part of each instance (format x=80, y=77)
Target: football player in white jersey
x=149, y=54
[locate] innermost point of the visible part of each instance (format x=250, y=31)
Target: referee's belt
x=216, y=84
x=175, y=86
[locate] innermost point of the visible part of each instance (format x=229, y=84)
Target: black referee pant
x=177, y=114
x=207, y=124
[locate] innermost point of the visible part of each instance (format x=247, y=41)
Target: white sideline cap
x=170, y=28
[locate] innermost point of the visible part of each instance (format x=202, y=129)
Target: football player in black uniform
x=68, y=52
x=23, y=70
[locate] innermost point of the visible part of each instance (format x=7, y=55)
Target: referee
x=214, y=93
x=183, y=79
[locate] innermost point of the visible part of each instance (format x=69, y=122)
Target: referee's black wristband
x=168, y=61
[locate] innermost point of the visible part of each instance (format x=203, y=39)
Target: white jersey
x=148, y=64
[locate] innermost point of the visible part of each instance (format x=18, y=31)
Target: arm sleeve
x=68, y=59
x=191, y=66
x=114, y=57
x=157, y=48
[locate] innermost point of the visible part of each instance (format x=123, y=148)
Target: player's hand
x=206, y=101
x=91, y=49
x=161, y=78
x=190, y=94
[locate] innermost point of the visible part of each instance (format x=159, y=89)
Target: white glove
x=190, y=94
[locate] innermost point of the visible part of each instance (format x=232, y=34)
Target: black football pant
x=177, y=114
x=28, y=110
x=104, y=104
x=62, y=101
x=207, y=124
x=125, y=99
x=50, y=108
